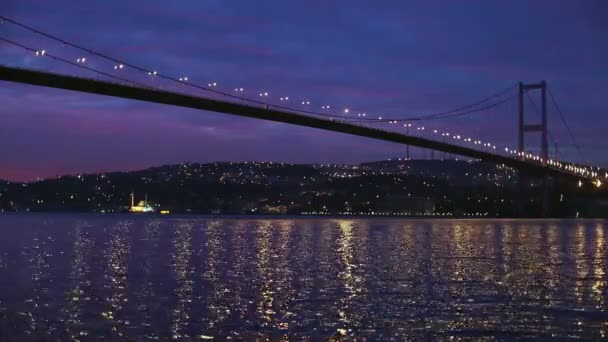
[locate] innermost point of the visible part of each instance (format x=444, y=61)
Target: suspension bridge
x=131, y=81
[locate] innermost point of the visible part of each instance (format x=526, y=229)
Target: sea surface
x=137, y=278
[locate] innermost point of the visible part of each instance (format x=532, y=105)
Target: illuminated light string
x=458, y=111
x=133, y=66
x=77, y=64
x=121, y=65
x=433, y=116
x=155, y=73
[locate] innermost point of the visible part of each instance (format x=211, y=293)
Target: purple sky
x=398, y=58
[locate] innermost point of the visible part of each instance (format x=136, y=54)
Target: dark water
x=136, y=278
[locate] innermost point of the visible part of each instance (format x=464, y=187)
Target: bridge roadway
x=53, y=80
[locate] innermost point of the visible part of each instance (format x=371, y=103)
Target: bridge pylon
x=542, y=127
x=524, y=128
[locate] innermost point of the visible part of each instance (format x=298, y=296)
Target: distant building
x=141, y=207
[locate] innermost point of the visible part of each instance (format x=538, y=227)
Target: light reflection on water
x=90, y=277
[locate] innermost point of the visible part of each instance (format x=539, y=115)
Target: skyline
x=47, y=132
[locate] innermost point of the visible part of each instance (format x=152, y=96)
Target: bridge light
x=42, y=52
x=580, y=184
x=346, y=110
x=598, y=183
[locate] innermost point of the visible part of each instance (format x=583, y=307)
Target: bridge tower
x=547, y=181
x=542, y=127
